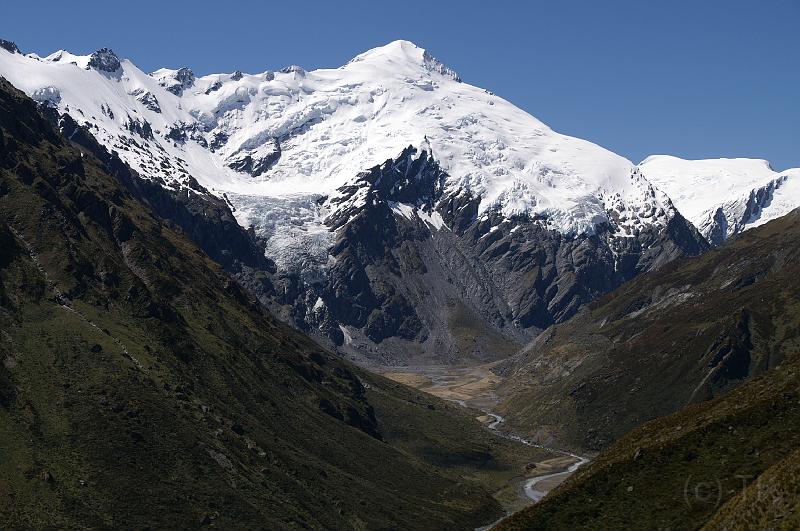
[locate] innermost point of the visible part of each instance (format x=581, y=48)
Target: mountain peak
x=398, y=50
x=175, y=81
x=403, y=53
x=9, y=46
x=105, y=60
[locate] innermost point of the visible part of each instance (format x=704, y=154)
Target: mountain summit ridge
x=404, y=53
x=280, y=133
x=290, y=132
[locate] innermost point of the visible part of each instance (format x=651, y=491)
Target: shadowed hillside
x=687, y=333
x=141, y=387
x=691, y=468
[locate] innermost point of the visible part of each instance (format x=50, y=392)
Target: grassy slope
x=676, y=472
x=690, y=469
x=139, y=386
x=686, y=333
x=772, y=501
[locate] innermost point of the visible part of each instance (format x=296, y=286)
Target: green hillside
x=691, y=468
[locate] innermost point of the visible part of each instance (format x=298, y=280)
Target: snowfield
x=732, y=194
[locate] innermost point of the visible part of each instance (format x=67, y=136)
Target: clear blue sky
x=690, y=78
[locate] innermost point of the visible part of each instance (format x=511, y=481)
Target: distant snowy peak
x=297, y=131
x=102, y=60
x=723, y=197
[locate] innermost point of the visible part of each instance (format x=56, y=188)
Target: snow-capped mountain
x=291, y=132
x=723, y=197
x=398, y=202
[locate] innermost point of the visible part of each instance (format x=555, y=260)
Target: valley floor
x=475, y=387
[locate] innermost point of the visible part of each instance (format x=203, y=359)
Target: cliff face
x=416, y=274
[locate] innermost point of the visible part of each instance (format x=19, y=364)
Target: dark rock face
x=104, y=60
x=215, y=86
x=252, y=163
x=9, y=46
x=148, y=99
x=182, y=80
x=218, y=140
x=367, y=236
x=293, y=69
x=417, y=271
x=181, y=132
x=185, y=76
x=139, y=127
x=729, y=220
x=719, y=228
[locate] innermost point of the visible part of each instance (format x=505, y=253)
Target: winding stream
x=529, y=486
x=473, y=387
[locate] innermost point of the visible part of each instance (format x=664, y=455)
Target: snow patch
x=410, y=212
x=434, y=219
x=402, y=209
